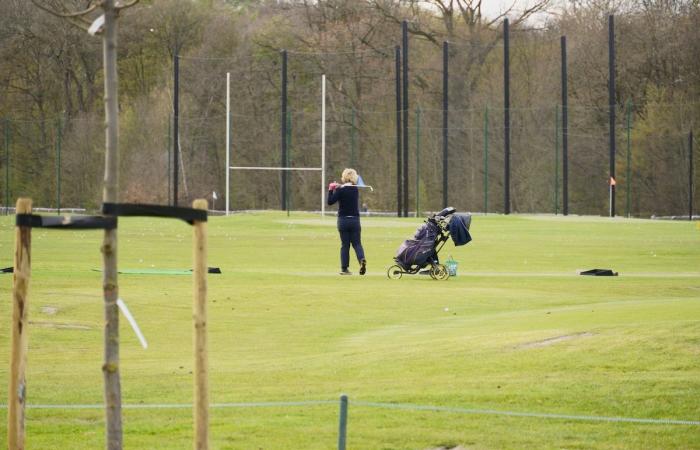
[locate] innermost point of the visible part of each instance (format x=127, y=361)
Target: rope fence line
x=493, y=412
x=399, y=406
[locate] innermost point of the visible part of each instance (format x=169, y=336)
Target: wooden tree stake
x=20, y=304
x=201, y=383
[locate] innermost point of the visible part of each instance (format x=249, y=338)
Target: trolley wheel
x=439, y=272
x=394, y=272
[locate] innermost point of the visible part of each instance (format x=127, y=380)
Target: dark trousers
x=350, y=229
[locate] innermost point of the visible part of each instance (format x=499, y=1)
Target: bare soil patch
x=553, y=340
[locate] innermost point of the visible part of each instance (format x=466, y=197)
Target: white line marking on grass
x=403, y=406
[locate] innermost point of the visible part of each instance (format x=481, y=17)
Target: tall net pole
x=506, y=117
x=176, y=125
x=611, y=103
x=323, y=145
x=404, y=29
x=445, y=118
x=398, y=130
x=565, y=129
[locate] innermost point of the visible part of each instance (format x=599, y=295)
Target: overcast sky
x=492, y=8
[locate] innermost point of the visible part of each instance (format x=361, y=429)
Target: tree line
x=51, y=85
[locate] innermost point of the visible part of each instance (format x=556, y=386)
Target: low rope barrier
x=411, y=407
x=400, y=406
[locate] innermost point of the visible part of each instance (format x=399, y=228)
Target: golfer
x=348, y=197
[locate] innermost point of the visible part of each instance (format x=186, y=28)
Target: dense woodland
x=51, y=102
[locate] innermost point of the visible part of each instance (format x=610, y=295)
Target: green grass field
x=516, y=331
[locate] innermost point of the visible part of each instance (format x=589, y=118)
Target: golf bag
x=421, y=251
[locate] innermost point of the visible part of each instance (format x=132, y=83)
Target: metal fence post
x=59, y=136
x=283, y=128
x=486, y=160
x=556, y=160
x=690, y=175
x=343, y=422
x=169, y=149
x=628, y=175
x=352, y=138
x=418, y=119
x=287, y=162
x=7, y=166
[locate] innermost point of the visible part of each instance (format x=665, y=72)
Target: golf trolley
x=420, y=254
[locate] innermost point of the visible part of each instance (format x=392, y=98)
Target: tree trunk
x=110, y=369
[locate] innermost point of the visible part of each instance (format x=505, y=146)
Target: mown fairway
x=516, y=331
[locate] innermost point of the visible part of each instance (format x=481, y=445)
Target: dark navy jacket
x=348, y=198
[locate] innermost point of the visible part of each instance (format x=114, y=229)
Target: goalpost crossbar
x=274, y=168
x=321, y=169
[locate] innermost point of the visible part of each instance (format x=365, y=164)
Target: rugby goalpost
x=321, y=169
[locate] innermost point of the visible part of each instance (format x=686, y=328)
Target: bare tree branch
x=76, y=18
x=119, y=7
x=79, y=22
x=82, y=13
x=540, y=5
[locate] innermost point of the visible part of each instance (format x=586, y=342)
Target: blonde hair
x=349, y=176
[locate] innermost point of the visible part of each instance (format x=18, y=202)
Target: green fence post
x=691, y=174
x=169, y=144
x=486, y=160
x=352, y=138
x=287, y=162
x=343, y=422
x=59, y=136
x=417, y=160
x=7, y=166
x=556, y=161
x=628, y=175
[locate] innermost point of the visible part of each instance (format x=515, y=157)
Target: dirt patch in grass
x=553, y=340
